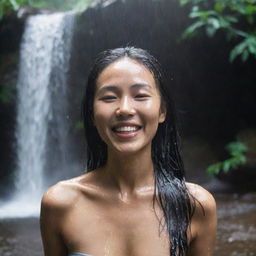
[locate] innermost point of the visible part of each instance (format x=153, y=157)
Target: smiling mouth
x=126, y=129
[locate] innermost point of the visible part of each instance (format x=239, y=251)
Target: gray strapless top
x=78, y=254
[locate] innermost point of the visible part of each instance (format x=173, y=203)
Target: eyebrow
x=114, y=88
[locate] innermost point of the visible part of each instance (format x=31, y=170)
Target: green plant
x=236, y=18
x=7, y=6
x=61, y=5
x=237, y=150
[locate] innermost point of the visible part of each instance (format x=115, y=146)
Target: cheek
x=152, y=108
x=100, y=127
x=152, y=105
x=101, y=119
x=152, y=115
x=100, y=113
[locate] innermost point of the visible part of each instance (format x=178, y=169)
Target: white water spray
x=41, y=108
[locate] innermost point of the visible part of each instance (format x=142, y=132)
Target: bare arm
x=50, y=219
x=204, y=223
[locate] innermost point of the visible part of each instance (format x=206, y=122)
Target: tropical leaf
x=237, y=150
x=237, y=50
x=236, y=146
x=192, y=29
x=230, y=16
x=214, y=168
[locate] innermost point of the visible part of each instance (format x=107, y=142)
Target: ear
x=162, y=113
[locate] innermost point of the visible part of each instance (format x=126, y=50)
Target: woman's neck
x=130, y=174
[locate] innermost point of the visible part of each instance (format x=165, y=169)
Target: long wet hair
x=170, y=191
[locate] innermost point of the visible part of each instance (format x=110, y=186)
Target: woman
x=134, y=200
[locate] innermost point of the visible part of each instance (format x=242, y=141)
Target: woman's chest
x=115, y=232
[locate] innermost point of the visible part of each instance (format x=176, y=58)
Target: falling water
x=41, y=109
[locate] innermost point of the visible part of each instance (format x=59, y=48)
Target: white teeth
x=127, y=129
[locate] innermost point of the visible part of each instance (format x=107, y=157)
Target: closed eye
x=108, y=98
x=142, y=96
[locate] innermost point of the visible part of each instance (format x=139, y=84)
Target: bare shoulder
x=62, y=195
x=65, y=194
x=204, y=200
x=203, y=224
x=56, y=206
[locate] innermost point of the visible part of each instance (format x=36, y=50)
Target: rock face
x=11, y=30
x=215, y=99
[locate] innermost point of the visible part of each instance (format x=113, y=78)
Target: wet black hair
x=170, y=192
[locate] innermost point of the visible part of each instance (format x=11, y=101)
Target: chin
x=130, y=149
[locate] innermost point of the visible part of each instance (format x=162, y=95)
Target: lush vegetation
x=8, y=6
x=236, y=18
x=237, y=157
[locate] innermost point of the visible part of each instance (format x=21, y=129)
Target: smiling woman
x=127, y=107
x=134, y=199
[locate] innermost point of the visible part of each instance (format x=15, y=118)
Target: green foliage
x=61, y=5
x=237, y=150
x=237, y=18
x=7, y=6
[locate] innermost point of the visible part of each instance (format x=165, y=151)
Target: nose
x=125, y=107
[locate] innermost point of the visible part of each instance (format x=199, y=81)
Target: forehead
x=125, y=71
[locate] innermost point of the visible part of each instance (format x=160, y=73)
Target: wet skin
x=109, y=211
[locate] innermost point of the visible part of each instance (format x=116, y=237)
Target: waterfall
x=42, y=130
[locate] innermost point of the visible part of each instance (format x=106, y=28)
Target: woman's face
x=127, y=106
